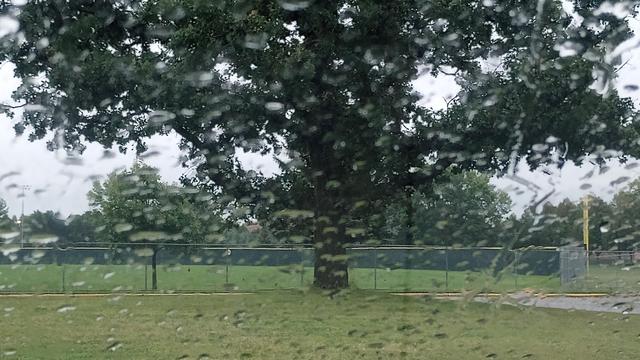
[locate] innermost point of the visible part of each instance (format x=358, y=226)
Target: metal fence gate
x=573, y=264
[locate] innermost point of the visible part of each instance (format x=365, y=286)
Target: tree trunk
x=154, y=273
x=331, y=265
x=410, y=213
x=330, y=241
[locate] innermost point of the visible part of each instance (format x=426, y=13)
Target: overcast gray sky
x=57, y=185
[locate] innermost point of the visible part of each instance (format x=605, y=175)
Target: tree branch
x=448, y=102
x=623, y=65
x=449, y=73
x=6, y=106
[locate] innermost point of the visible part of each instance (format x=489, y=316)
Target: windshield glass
x=319, y=179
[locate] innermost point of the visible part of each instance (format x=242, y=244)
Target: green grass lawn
x=292, y=324
x=105, y=278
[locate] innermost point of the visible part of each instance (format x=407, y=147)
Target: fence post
x=446, y=269
x=154, y=269
x=145, y=277
x=63, y=277
x=301, y=266
x=515, y=269
x=407, y=266
x=226, y=269
x=375, y=268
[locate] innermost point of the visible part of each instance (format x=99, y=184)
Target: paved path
x=628, y=304
x=622, y=304
x=615, y=304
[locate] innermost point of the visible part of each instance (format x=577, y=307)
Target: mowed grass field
x=210, y=278
x=108, y=278
x=303, y=325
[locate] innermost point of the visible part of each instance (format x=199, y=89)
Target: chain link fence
x=573, y=265
x=130, y=267
x=605, y=271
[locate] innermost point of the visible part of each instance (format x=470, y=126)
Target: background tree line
x=135, y=205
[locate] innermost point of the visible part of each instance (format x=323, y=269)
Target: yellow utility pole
x=585, y=226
